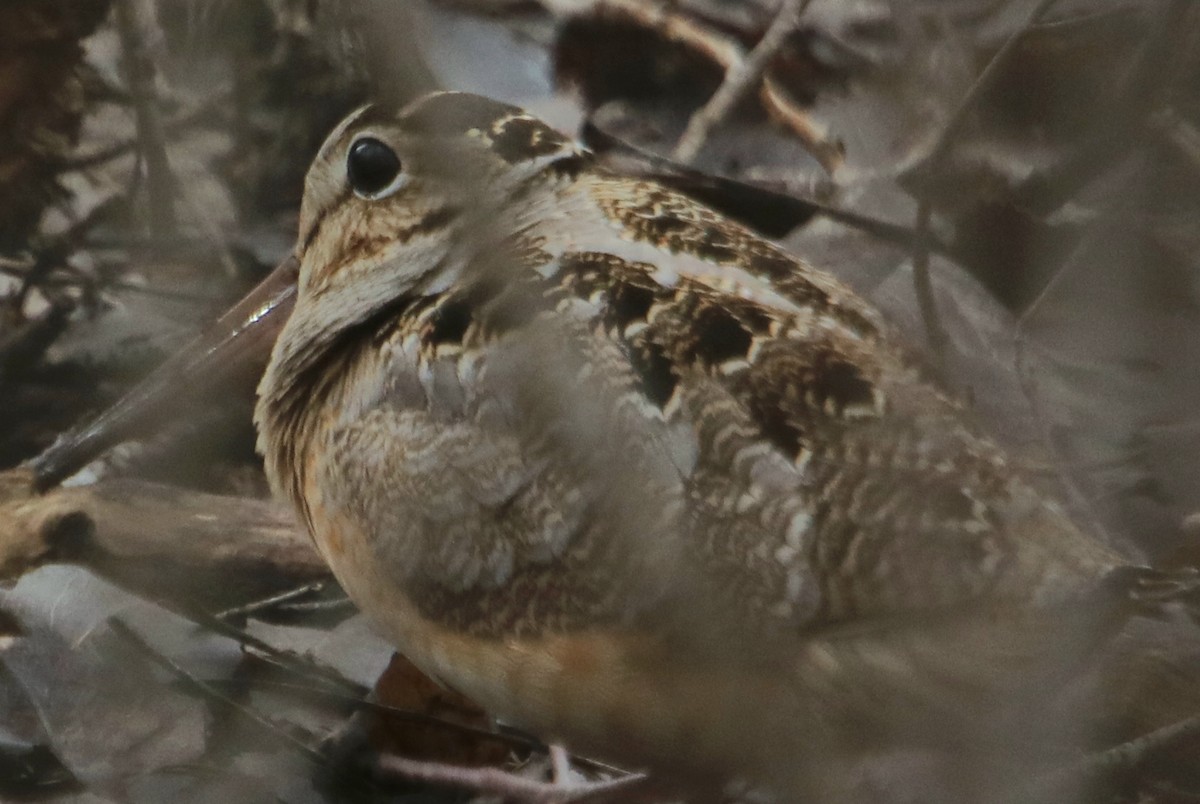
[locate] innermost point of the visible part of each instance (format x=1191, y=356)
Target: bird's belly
x=608, y=694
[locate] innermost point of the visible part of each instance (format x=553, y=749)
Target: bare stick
x=740, y=79
x=672, y=25
x=495, y=781
x=270, y=602
x=726, y=52
x=827, y=150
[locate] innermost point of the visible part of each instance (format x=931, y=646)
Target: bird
x=648, y=485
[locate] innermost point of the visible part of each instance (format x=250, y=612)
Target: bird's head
x=394, y=195
x=398, y=205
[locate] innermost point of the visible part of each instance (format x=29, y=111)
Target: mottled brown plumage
x=640, y=481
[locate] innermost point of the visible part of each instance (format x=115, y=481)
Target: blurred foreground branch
x=135, y=21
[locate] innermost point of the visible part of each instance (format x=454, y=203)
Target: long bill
x=233, y=350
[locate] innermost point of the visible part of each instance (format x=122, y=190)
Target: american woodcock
x=639, y=481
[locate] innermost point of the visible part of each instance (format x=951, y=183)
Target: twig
x=241, y=612
x=333, y=687
x=728, y=53
x=14, y=266
x=483, y=780
x=828, y=151
x=672, y=25
x=560, y=764
x=494, y=781
x=330, y=686
x=511, y=738
x=316, y=606
x=740, y=79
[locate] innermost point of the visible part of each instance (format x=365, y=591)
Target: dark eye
x=371, y=166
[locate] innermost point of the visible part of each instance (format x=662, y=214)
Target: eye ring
x=372, y=168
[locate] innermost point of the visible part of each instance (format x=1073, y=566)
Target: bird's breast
x=611, y=693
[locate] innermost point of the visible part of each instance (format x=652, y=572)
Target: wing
x=831, y=482
x=688, y=413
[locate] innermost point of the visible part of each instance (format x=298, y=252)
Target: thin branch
x=497, y=782
x=827, y=150
x=317, y=606
x=740, y=80
x=264, y=604
x=560, y=764
x=725, y=51
x=672, y=25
